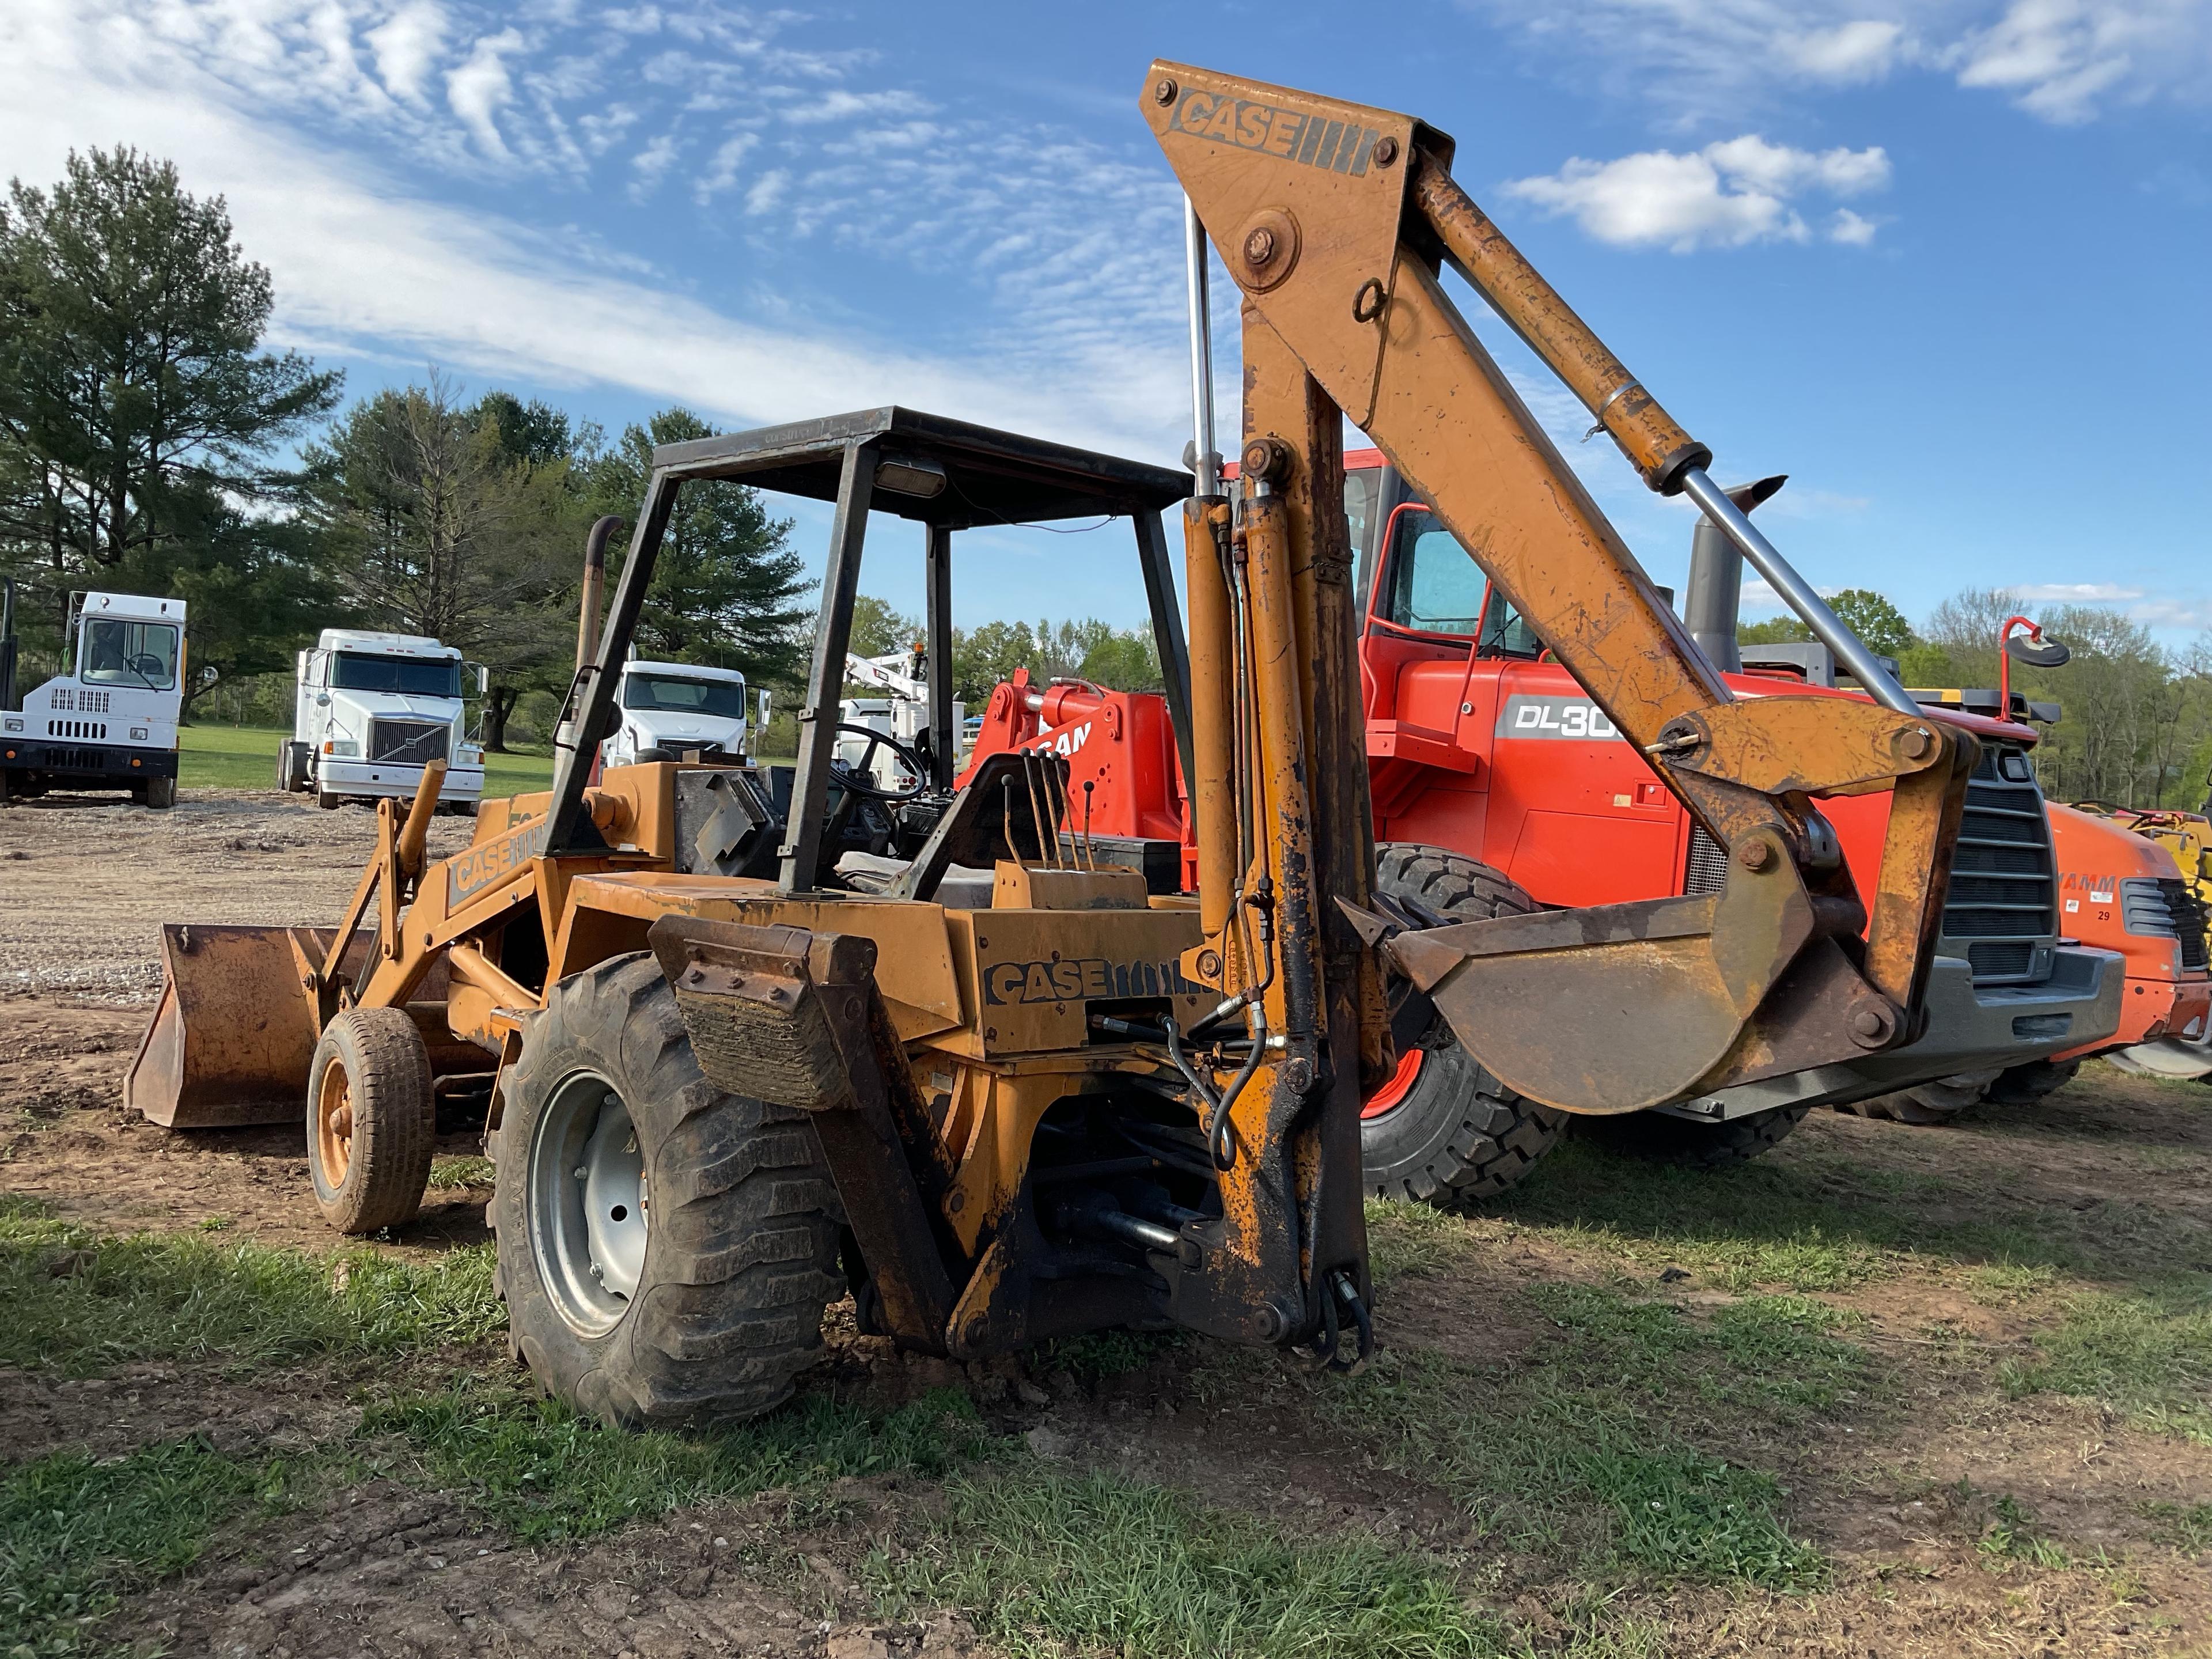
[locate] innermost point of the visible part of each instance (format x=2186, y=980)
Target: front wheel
x=372, y=1120
x=1939, y=1100
x=666, y=1250
x=1665, y=1139
x=1444, y=1129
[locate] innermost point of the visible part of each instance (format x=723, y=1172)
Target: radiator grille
x=77, y=728
x=2003, y=899
x=407, y=743
x=2165, y=910
x=1708, y=871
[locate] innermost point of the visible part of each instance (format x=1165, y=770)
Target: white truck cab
x=110, y=721
x=670, y=710
x=372, y=710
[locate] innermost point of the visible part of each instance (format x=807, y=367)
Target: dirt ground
x=1898, y=1498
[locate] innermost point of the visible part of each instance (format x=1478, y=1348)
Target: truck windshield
x=119, y=653
x=667, y=693
x=412, y=676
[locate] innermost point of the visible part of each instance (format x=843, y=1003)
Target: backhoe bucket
x=235, y=1033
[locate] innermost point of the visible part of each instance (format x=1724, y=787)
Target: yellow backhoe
x=995, y=1087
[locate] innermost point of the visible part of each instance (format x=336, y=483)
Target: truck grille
x=2002, y=903
x=2165, y=910
x=407, y=743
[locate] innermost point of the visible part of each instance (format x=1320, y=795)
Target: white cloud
x=1760, y=595
x=1067, y=255
x=1852, y=229
x=1866, y=49
x=2059, y=59
x=722, y=171
x=1707, y=61
x=1726, y=195
x=406, y=44
x=2077, y=592
x=480, y=87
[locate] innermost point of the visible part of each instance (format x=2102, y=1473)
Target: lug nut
x=1259, y=246
x=1386, y=151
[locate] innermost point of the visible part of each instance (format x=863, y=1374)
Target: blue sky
x=1944, y=264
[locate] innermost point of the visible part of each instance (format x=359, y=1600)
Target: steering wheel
x=145, y=664
x=855, y=777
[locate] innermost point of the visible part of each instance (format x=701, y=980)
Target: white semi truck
x=371, y=711
x=109, y=721
x=672, y=710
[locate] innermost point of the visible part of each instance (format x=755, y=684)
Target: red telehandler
x=1500, y=787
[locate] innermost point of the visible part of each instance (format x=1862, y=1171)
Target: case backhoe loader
x=1010, y=1095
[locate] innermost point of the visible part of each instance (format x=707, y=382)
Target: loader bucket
x=235, y=1033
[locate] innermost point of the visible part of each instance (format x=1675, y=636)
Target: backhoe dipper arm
x=1335, y=220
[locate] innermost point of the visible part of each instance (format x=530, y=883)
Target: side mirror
x=483, y=676
x=208, y=675
x=763, y=707
x=2051, y=653
x=322, y=700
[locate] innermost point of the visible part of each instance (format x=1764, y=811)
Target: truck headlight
x=469, y=755
x=14, y=725
x=137, y=734
x=343, y=748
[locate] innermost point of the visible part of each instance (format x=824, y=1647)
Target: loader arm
x=1335, y=220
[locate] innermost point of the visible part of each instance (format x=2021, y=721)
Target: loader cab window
x=119, y=653
x=670, y=694
x=407, y=676
x=1434, y=587
x=1506, y=632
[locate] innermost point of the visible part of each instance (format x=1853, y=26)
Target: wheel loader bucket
x=234, y=1032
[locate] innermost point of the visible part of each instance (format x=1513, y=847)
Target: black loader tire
x=160, y=794
x=740, y=1257
x=1665, y=1139
x=2023, y=1085
x=1458, y=1133
x=382, y=1067
x=1937, y=1100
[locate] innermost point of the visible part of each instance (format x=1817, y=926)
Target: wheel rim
x=334, y=1125
x=588, y=1203
x=1392, y=1094
x=2169, y=1057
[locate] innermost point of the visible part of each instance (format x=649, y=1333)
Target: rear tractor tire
x=666, y=1251
x=1939, y=1100
x=372, y=1120
x=160, y=794
x=1665, y=1139
x=1444, y=1129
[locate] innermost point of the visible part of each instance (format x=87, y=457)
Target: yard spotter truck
x=2149, y=903
x=1010, y=1095
x=109, y=720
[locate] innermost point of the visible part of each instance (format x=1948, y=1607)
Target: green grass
x=547, y=1474
x=80, y=1304
x=2148, y=1353
x=76, y=1535
x=1810, y=1220
x=245, y=757
x=2012, y=1534
x=1593, y=1446
x=447, y=1173
x=1045, y=1564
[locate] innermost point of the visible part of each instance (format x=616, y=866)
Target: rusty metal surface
x=232, y=1037
x=784, y=1015
x=1338, y=258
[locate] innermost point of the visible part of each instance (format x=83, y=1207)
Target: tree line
x=2136, y=724
x=150, y=444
